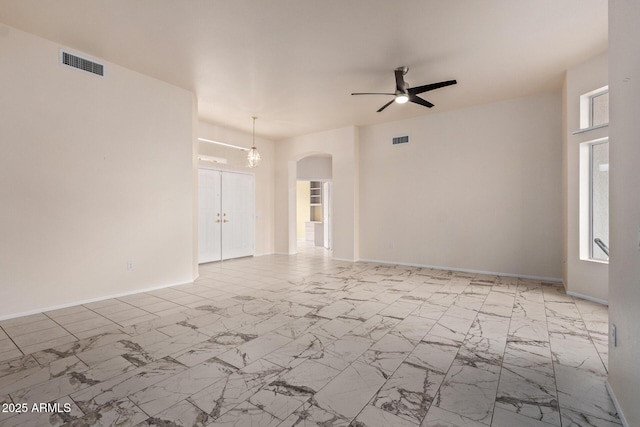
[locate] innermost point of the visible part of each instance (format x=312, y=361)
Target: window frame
x=586, y=243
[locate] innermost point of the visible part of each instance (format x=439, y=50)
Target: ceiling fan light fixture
x=402, y=98
x=253, y=157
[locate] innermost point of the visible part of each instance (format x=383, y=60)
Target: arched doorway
x=313, y=204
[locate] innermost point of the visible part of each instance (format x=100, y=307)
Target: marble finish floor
x=304, y=341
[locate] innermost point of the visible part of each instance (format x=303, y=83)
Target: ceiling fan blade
x=372, y=93
x=417, y=100
x=399, y=72
x=385, y=105
x=432, y=86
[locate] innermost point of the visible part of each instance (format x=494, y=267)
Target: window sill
x=597, y=261
x=576, y=132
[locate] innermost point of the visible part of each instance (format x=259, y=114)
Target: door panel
x=209, y=237
x=326, y=213
x=237, y=215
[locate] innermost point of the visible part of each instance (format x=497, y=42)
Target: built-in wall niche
x=315, y=201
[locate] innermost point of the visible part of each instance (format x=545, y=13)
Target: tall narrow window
x=599, y=201
x=599, y=103
x=594, y=109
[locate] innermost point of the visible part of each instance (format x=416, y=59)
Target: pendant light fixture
x=253, y=158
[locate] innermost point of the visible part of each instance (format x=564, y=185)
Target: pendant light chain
x=253, y=158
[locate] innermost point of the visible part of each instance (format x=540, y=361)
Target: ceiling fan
x=405, y=93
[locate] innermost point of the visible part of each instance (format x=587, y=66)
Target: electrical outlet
x=129, y=265
x=614, y=335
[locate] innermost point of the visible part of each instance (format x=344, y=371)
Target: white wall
x=342, y=145
x=94, y=173
x=303, y=194
x=237, y=161
x=477, y=189
x=314, y=168
x=624, y=150
x=581, y=277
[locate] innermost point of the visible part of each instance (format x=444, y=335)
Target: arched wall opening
x=341, y=145
x=313, y=201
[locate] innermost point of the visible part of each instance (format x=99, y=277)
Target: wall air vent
x=83, y=64
x=400, y=140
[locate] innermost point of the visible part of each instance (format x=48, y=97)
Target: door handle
x=225, y=221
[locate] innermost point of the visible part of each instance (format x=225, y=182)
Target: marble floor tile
x=413, y=327
x=309, y=345
x=584, y=392
x=38, y=336
x=523, y=308
x=337, y=327
x=399, y=309
x=577, y=352
x=530, y=354
x=305, y=380
x=434, y=353
x=387, y=354
x=349, y=392
x=437, y=417
x=372, y=416
x=236, y=388
x=49, y=343
x=375, y=327
x=489, y=326
x=451, y=327
x=121, y=412
x=91, y=327
x=102, y=392
x=300, y=326
x=18, y=364
x=408, y=393
x=79, y=316
x=181, y=414
x=504, y=418
x=482, y=353
x=277, y=404
x=498, y=303
x=20, y=329
x=529, y=393
x=529, y=329
x=9, y=351
x=575, y=419
x=160, y=395
x=349, y=347
x=253, y=350
x=305, y=340
x=469, y=392
x=246, y=414
x=310, y=415
x=49, y=355
x=26, y=378
x=333, y=310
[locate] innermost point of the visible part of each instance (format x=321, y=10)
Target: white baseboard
x=344, y=260
x=87, y=301
x=465, y=270
x=616, y=404
x=588, y=298
x=263, y=254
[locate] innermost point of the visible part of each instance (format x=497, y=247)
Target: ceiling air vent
x=400, y=139
x=81, y=63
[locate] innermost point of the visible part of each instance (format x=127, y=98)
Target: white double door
x=226, y=215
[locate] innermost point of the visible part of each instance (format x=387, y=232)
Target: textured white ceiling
x=294, y=63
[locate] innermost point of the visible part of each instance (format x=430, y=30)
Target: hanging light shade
x=253, y=158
